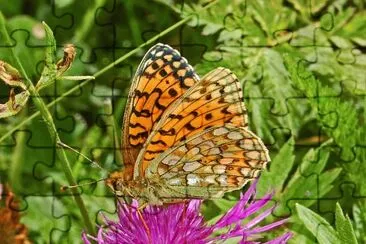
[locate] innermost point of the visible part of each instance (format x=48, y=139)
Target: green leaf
x=309, y=182
x=280, y=167
x=51, y=45
x=318, y=226
x=344, y=227
x=342, y=126
x=48, y=76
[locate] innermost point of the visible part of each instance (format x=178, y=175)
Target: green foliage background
x=302, y=65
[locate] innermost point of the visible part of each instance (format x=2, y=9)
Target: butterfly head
x=118, y=184
x=141, y=190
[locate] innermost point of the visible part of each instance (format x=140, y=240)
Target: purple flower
x=183, y=223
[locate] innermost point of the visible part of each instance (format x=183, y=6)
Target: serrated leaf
x=318, y=226
x=337, y=117
x=344, y=227
x=280, y=167
x=309, y=182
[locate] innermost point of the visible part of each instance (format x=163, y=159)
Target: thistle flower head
x=183, y=223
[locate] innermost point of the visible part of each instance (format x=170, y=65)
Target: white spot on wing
x=222, y=179
x=219, y=169
x=191, y=166
x=234, y=135
x=171, y=160
x=175, y=182
x=220, y=131
x=193, y=179
x=253, y=154
x=245, y=171
x=160, y=53
x=193, y=151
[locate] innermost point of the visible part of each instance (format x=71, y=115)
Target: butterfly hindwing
x=217, y=160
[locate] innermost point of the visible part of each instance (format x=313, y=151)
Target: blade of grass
x=105, y=69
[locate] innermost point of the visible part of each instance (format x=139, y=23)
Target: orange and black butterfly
x=183, y=136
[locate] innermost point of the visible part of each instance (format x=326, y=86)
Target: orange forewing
x=162, y=77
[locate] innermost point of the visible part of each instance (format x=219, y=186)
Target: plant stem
x=46, y=115
x=105, y=69
x=15, y=168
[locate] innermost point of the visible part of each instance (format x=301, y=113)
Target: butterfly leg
x=143, y=221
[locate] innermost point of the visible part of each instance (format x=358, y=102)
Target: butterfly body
x=142, y=189
x=185, y=137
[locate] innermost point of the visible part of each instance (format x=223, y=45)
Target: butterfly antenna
x=64, y=188
x=60, y=143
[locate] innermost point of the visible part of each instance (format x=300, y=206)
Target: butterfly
x=184, y=137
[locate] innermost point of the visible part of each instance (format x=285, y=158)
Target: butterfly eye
x=115, y=185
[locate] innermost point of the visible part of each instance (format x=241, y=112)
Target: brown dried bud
x=10, y=75
x=65, y=63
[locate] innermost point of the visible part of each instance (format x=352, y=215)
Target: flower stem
x=105, y=69
x=46, y=115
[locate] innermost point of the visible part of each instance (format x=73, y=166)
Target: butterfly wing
x=216, y=100
x=208, y=164
x=161, y=78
